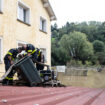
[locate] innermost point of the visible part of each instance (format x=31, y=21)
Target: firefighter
x=31, y=51
x=8, y=61
x=40, y=58
x=35, y=54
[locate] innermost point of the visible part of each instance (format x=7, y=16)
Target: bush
x=79, y=63
x=88, y=63
x=74, y=63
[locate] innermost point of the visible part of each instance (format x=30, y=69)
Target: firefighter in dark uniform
x=31, y=51
x=8, y=61
x=40, y=58
x=35, y=54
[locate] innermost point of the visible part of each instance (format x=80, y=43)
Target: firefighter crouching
x=40, y=58
x=31, y=51
x=8, y=61
x=36, y=55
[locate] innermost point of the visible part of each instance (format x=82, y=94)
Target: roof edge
x=49, y=9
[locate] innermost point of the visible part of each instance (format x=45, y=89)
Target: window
x=44, y=53
x=1, y=50
x=23, y=13
x=1, y=5
x=43, y=24
x=20, y=44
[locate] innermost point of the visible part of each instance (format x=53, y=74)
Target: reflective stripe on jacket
x=9, y=78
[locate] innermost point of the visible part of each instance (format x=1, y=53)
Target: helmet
x=20, y=49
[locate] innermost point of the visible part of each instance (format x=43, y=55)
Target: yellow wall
x=11, y=30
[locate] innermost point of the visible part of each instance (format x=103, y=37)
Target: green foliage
x=101, y=57
x=94, y=60
x=83, y=42
x=88, y=63
x=79, y=63
x=76, y=45
x=59, y=55
x=74, y=63
x=98, y=46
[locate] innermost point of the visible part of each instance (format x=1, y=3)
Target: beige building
x=25, y=21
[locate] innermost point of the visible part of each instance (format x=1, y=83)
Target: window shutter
x=20, y=13
x=27, y=16
x=44, y=53
x=1, y=5
x=45, y=24
x=40, y=23
x=23, y=12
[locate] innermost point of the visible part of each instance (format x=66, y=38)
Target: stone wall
x=93, y=79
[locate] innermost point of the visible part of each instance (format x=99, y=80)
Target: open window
x=43, y=24
x=20, y=44
x=44, y=53
x=23, y=13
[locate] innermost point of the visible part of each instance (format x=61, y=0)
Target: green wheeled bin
x=28, y=71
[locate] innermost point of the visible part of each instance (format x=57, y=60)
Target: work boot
x=5, y=82
x=10, y=82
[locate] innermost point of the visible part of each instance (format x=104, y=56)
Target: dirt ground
x=93, y=79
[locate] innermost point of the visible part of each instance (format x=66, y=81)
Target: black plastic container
x=28, y=71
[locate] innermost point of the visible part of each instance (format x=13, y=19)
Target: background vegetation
x=78, y=43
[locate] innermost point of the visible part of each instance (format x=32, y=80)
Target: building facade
x=25, y=21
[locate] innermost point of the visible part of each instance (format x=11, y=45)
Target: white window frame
x=25, y=7
x=45, y=54
x=1, y=5
x=1, y=47
x=21, y=42
x=45, y=24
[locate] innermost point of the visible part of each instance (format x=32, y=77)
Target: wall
x=12, y=30
x=93, y=79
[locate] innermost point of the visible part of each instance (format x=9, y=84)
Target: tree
x=101, y=57
x=98, y=46
x=55, y=27
x=59, y=55
x=77, y=45
x=55, y=34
